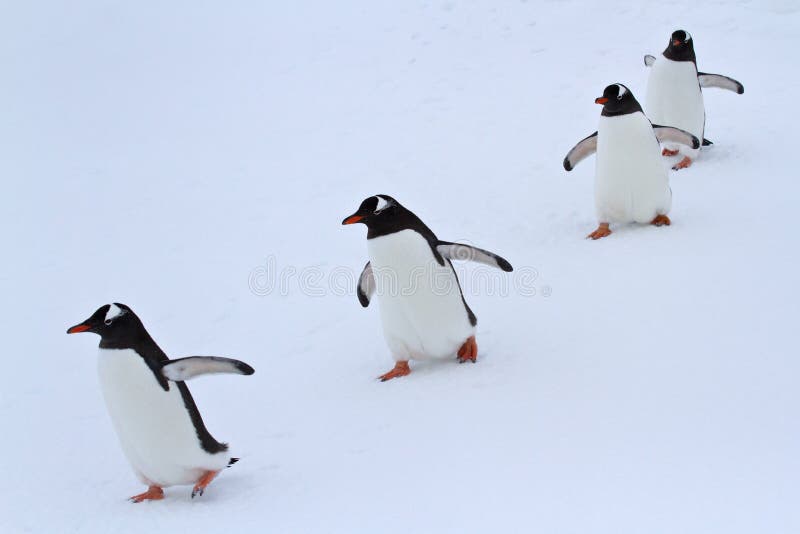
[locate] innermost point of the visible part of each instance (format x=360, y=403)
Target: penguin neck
x=630, y=107
x=685, y=54
x=404, y=220
x=141, y=342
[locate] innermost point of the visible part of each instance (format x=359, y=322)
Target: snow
x=194, y=160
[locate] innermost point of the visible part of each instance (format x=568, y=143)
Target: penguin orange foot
x=668, y=152
x=682, y=164
x=661, y=220
x=468, y=351
x=203, y=483
x=400, y=369
x=602, y=231
x=153, y=493
x=159, y=426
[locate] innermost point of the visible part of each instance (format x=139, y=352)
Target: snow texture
x=194, y=161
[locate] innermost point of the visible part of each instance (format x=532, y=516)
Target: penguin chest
x=674, y=97
x=154, y=427
x=422, y=309
x=631, y=182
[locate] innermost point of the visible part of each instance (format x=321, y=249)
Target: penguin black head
x=680, y=47
x=384, y=215
x=374, y=210
x=116, y=324
x=618, y=100
x=379, y=211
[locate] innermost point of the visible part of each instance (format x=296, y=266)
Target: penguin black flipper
x=462, y=252
x=649, y=60
x=366, y=285
x=707, y=142
x=184, y=369
x=585, y=148
x=668, y=134
x=720, y=81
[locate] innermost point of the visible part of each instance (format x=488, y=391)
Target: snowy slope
x=164, y=155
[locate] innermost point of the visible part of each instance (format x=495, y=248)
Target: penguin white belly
x=631, y=182
x=153, y=425
x=674, y=98
x=421, y=308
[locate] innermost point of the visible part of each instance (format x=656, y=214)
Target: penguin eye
x=108, y=321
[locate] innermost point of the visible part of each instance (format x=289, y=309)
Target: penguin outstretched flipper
x=460, y=251
x=585, y=148
x=720, y=81
x=423, y=311
x=675, y=92
x=157, y=421
x=668, y=134
x=631, y=183
x=649, y=60
x=366, y=285
x=184, y=369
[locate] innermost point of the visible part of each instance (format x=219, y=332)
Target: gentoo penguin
x=675, y=92
x=631, y=182
x=156, y=419
x=423, y=310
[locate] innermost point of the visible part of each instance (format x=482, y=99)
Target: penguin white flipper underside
x=462, y=252
x=720, y=81
x=585, y=148
x=187, y=368
x=668, y=134
x=649, y=60
x=366, y=285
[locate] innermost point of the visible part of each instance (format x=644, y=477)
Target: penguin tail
x=232, y=461
x=706, y=142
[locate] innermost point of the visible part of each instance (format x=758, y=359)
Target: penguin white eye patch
x=382, y=204
x=113, y=312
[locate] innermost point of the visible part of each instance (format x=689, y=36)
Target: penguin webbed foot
x=468, y=351
x=602, y=231
x=661, y=220
x=203, y=483
x=401, y=368
x=682, y=164
x=153, y=493
x=667, y=152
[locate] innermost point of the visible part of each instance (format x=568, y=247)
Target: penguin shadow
x=709, y=155
x=434, y=369
x=630, y=230
x=717, y=154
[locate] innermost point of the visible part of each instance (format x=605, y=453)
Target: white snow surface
x=165, y=154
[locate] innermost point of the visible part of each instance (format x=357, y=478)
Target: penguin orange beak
x=352, y=219
x=79, y=328
x=676, y=43
x=602, y=100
